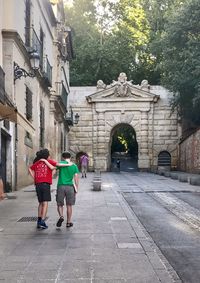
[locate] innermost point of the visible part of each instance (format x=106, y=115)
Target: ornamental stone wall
x=145, y=108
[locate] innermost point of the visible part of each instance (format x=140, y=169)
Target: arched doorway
x=124, y=146
x=164, y=160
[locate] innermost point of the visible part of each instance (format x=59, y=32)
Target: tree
x=181, y=61
x=109, y=38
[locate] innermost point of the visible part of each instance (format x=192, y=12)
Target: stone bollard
x=97, y=185
x=183, y=178
x=97, y=178
x=167, y=174
x=174, y=175
x=195, y=181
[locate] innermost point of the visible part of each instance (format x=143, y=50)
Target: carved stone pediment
x=122, y=90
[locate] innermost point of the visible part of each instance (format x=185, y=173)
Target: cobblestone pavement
x=107, y=244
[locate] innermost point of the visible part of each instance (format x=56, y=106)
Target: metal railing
x=47, y=70
x=33, y=43
x=2, y=85
x=64, y=95
x=69, y=117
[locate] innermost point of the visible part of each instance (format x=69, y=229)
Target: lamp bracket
x=20, y=72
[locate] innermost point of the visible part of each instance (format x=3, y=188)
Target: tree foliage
x=124, y=140
x=153, y=39
x=181, y=60
x=109, y=38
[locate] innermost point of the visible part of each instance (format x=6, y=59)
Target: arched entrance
x=164, y=160
x=124, y=147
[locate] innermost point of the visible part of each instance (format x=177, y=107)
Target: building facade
x=36, y=48
x=143, y=109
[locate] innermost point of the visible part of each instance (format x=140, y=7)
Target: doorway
x=4, y=160
x=124, y=148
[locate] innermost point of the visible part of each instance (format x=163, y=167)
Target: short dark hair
x=43, y=153
x=66, y=155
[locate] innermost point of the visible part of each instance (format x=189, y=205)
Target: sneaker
x=43, y=225
x=38, y=224
x=60, y=221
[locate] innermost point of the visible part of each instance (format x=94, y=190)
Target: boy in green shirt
x=67, y=188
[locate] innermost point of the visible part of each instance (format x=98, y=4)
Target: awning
x=8, y=113
x=11, y=113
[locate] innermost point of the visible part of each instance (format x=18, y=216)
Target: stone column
x=143, y=161
x=99, y=153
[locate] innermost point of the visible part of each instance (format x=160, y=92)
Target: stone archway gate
x=146, y=108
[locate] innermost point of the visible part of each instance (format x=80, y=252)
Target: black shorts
x=43, y=191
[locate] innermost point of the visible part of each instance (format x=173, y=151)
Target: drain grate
x=29, y=219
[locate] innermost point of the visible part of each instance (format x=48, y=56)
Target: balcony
x=72, y=119
x=65, y=45
x=69, y=117
x=47, y=72
x=2, y=86
x=32, y=42
x=64, y=95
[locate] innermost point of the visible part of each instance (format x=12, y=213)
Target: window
x=29, y=104
x=28, y=140
x=27, y=22
x=6, y=124
x=42, y=124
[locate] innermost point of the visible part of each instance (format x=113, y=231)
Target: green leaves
x=109, y=37
x=152, y=39
x=181, y=60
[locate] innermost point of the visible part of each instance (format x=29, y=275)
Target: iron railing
x=69, y=117
x=64, y=95
x=47, y=70
x=2, y=85
x=33, y=44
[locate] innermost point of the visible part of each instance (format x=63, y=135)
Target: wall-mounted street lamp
x=20, y=72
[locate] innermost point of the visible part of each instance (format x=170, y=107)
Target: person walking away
x=67, y=189
x=118, y=164
x=42, y=175
x=84, y=165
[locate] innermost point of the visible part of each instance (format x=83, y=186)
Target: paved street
x=110, y=241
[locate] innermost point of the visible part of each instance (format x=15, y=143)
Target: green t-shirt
x=66, y=174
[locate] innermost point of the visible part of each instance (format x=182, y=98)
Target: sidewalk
x=106, y=245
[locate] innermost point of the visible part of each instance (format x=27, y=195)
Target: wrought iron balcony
x=71, y=118
x=2, y=85
x=64, y=95
x=32, y=42
x=47, y=72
